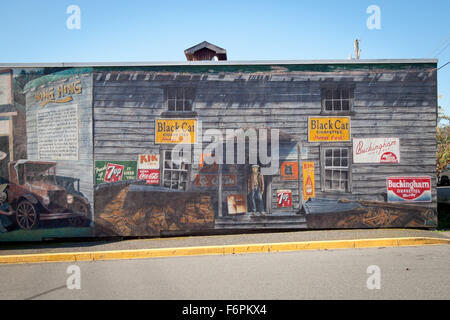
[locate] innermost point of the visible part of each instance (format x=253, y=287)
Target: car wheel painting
x=27, y=216
x=82, y=220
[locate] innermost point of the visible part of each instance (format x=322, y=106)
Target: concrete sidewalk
x=217, y=240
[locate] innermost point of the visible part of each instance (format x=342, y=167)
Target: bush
x=443, y=215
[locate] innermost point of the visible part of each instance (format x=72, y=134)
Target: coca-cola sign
x=151, y=176
x=409, y=189
x=376, y=150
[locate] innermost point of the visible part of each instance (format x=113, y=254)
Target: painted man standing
x=256, y=190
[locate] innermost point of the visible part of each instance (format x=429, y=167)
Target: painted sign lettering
x=60, y=94
x=151, y=176
x=328, y=129
x=309, y=187
x=148, y=161
x=148, y=168
x=409, y=189
x=376, y=150
x=284, y=198
x=174, y=131
x=57, y=133
x=113, y=171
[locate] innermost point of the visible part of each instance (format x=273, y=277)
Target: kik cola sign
x=148, y=168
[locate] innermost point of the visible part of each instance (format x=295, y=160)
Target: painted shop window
x=336, y=171
x=337, y=99
x=180, y=99
x=175, y=175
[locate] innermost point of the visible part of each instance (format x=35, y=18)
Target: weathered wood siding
x=387, y=103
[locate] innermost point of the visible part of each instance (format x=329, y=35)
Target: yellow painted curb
x=219, y=250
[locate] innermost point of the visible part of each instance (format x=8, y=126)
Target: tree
x=443, y=142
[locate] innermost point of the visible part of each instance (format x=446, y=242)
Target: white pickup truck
x=444, y=177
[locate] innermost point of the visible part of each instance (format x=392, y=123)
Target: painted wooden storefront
x=387, y=101
x=324, y=178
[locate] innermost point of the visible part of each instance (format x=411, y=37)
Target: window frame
x=167, y=91
x=337, y=86
x=323, y=167
x=164, y=169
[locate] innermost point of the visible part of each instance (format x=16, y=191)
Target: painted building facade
x=337, y=144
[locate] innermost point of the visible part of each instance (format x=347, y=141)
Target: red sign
x=409, y=189
x=284, y=198
x=114, y=172
x=388, y=157
x=151, y=176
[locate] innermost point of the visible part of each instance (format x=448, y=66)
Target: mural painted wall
x=49, y=193
x=140, y=151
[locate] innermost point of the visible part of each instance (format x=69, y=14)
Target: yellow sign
x=175, y=131
x=328, y=129
x=309, y=185
x=60, y=94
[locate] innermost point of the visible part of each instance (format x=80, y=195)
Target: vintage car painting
x=33, y=194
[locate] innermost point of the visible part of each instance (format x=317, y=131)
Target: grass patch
x=39, y=234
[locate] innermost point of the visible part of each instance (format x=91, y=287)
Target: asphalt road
x=216, y=240
x=406, y=273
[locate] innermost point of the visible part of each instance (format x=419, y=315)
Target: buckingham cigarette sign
x=328, y=129
x=409, y=189
x=376, y=150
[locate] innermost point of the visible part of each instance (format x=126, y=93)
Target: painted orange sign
x=289, y=170
x=328, y=129
x=174, y=131
x=309, y=185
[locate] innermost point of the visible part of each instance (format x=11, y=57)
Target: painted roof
x=221, y=66
x=220, y=63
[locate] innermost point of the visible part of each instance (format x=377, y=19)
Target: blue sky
x=35, y=31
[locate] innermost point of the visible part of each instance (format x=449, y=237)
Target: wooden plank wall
x=388, y=103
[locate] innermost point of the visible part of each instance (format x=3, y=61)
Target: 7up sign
x=113, y=171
